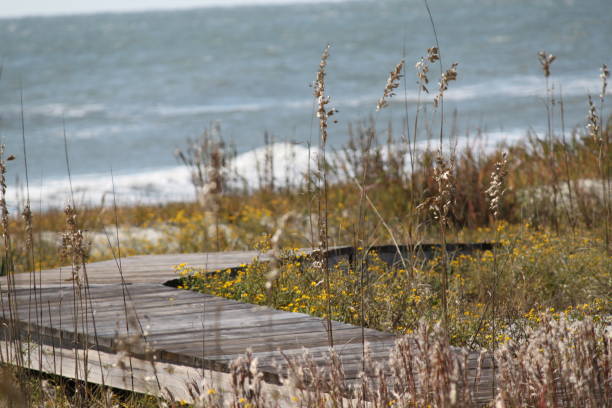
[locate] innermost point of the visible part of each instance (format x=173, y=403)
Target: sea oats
x=546, y=61
x=562, y=363
x=447, y=76
x=275, y=263
x=392, y=84
x=593, y=122
x=433, y=54
x=422, y=69
x=27, y=219
x=444, y=200
x=3, y=206
x=323, y=113
x=605, y=74
x=74, y=245
x=496, y=190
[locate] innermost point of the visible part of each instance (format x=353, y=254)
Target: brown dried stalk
x=495, y=194
x=74, y=247
x=3, y=207
x=392, y=84
x=447, y=76
x=27, y=219
x=433, y=54
x=496, y=190
x=561, y=364
x=605, y=74
x=603, y=151
x=322, y=100
x=593, y=123
x=546, y=61
x=323, y=114
x=440, y=206
x=275, y=241
x=422, y=67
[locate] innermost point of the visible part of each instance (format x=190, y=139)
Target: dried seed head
x=392, y=84
x=605, y=74
x=208, y=159
x=441, y=204
x=319, y=84
x=433, y=54
x=323, y=113
x=496, y=190
x=74, y=247
x=27, y=219
x=546, y=61
x=275, y=263
x=3, y=208
x=560, y=353
x=593, y=122
x=449, y=75
x=422, y=68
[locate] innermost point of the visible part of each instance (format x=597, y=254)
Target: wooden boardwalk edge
x=141, y=376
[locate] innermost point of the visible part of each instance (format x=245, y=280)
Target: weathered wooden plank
x=142, y=268
x=282, y=340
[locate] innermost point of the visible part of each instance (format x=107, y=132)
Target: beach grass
x=543, y=203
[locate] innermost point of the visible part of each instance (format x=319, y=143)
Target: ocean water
x=130, y=88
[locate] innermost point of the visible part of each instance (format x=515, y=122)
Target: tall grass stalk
x=546, y=61
x=604, y=150
x=443, y=172
x=440, y=99
x=323, y=113
x=360, y=258
x=393, y=82
x=566, y=164
x=8, y=269
x=29, y=240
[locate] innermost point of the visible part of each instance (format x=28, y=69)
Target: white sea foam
x=481, y=143
x=516, y=87
x=162, y=185
x=292, y=162
x=522, y=86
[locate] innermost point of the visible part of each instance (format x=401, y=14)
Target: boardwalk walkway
x=188, y=334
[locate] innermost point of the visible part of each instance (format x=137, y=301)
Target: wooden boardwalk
x=183, y=331
x=140, y=268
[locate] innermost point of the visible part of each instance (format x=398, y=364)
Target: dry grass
x=422, y=370
x=545, y=270
x=547, y=328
